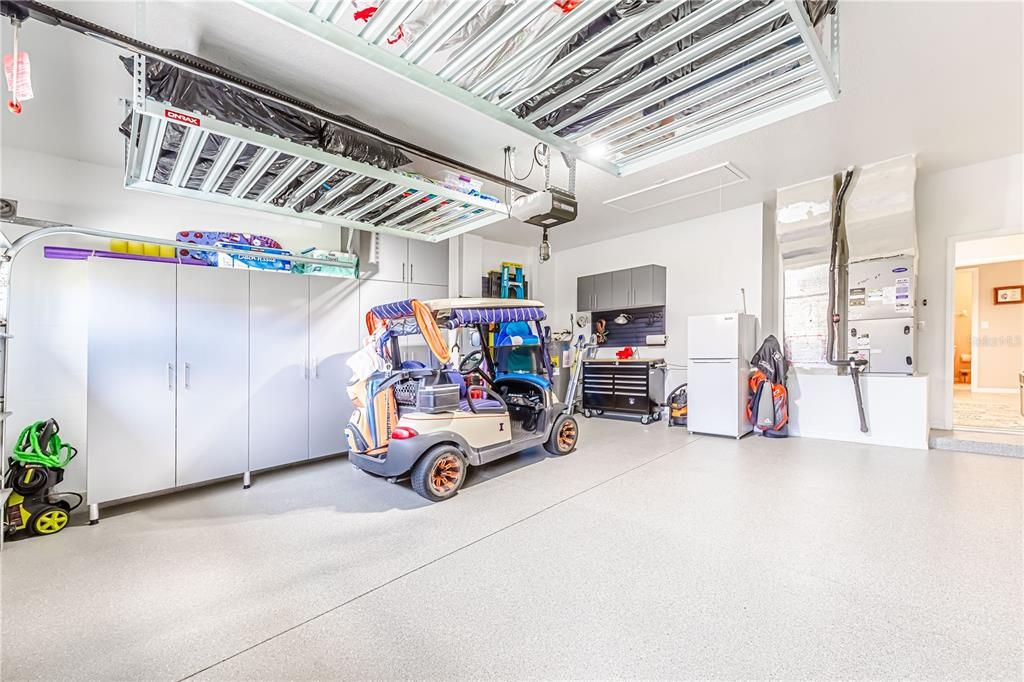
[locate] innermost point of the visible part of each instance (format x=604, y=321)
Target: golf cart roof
x=457, y=312
x=444, y=306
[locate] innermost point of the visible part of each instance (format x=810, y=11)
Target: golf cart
x=432, y=423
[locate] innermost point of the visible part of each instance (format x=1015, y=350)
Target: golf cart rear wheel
x=440, y=473
x=564, y=435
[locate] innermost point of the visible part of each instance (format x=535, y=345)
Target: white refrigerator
x=719, y=348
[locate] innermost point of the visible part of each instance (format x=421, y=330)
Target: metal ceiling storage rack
x=763, y=79
x=419, y=209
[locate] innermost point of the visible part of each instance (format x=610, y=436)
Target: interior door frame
x=951, y=242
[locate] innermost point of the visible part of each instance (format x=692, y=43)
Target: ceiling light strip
x=595, y=47
x=453, y=18
x=648, y=48
x=677, y=61
x=729, y=118
x=705, y=95
x=531, y=52
x=511, y=22
x=739, y=99
x=704, y=74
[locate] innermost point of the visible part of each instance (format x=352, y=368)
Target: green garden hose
x=29, y=450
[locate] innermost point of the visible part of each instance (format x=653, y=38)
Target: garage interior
x=515, y=339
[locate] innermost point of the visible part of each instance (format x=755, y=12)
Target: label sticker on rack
x=180, y=117
x=857, y=296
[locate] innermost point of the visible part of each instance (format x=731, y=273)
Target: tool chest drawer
x=623, y=386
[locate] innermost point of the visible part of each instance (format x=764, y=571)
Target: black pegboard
x=645, y=322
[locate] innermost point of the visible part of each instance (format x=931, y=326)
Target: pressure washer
x=35, y=467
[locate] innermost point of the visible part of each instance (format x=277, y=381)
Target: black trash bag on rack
x=818, y=10
x=185, y=90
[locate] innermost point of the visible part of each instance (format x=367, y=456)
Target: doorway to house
x=988, y=325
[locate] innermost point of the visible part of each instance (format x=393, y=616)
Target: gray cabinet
x=630, y=288
x=585, y=293
x=603, y=288
x=622, y=289
x=647, y=285
x=398, y=259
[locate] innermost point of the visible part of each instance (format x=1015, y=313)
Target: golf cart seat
x=479, y=403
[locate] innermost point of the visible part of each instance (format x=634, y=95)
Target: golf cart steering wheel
x=471, y=363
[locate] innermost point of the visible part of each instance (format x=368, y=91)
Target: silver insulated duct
x=876, y=275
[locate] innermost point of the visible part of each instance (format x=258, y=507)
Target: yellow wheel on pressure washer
x=49, y=520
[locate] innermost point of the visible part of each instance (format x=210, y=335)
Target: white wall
x=707, y=260
x=478, y=255
x=991, y=250
x=47, y=362
x=825, y=406
x=969, y=202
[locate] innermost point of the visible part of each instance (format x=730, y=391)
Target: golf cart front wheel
x=440, y=473
x=564, y=435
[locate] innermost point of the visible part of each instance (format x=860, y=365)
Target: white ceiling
x=940, y=79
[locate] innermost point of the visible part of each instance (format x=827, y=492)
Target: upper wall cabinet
x=631, y=288
x=405, y=260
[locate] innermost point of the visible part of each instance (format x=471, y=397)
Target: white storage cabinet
x=200, y=373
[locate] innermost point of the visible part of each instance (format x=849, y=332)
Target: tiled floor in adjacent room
x=979, y=410
x=646, y=553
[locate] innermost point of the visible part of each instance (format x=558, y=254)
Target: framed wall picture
x=1011, y=294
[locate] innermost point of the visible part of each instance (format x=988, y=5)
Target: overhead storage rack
x=622, y=86
x=220, y=161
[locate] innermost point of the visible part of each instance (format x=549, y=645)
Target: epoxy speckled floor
x=647, y=553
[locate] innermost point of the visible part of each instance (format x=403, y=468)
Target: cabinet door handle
x=410, y=272
x=170, y=376
x=403, y=272
x=188, y=375
x=316, y=368
x=305, y=370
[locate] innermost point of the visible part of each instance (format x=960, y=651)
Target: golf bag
x=768, y=407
